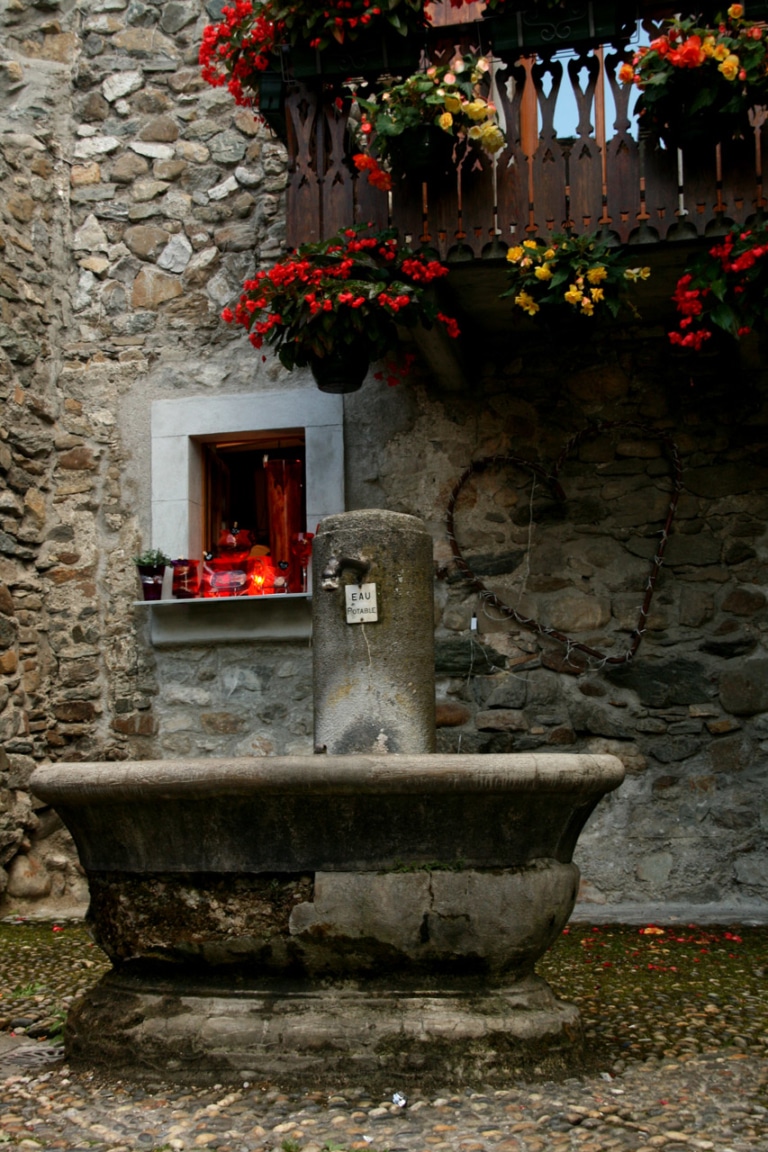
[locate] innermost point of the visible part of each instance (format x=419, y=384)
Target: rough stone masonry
x=133, y=201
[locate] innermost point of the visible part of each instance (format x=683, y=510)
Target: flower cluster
x=453, y=97
x=726, y=288
x=251, y=33
x=691, y=70
x=581, y=271
x=350, y=290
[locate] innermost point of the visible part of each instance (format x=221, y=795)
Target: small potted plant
x=698, y=83
x=151, y=566
x=725, y=288
x=582, y=274
x=336, y=304
x=415, y=124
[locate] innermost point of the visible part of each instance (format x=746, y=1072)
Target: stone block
x=6, y=601
x=78, y=460
x=504, y=690
x=153, y=287
x=726, y=479
x=227, y=147
x=8, y=632
x=730, y=754
x=743, y=601
x=162, y=129
x=501, y=720
x=744, y=690
x=28, y=878
x=700, y=549
x=571, y=612
x=655, y=868
x=662, y=683
x=451, y=714
x=751, y=870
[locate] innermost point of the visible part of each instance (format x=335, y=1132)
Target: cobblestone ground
x=676, y=1019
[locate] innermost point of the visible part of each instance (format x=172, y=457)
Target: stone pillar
x=374, y=682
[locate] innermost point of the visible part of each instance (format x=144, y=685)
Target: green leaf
x=725, y=318
x=704, y=98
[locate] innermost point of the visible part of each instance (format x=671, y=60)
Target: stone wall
x=134, y=200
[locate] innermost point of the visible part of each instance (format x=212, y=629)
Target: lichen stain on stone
x=158, y=916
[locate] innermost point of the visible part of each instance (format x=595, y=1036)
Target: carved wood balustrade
x=600, y=178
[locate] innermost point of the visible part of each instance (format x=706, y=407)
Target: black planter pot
x=422, y=153
x=343, y=371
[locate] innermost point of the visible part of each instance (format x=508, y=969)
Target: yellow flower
x=720, y=51
x=635, y=274
x=446, y=122
x=452, y=103
x=491, y=138
x=587, y=307
x=527, y=303
x=597, y=274
x=476, y=109
x=543, y=272
x=730, y=67
x=736, y=11
x=530, y=244
x=597, y=295
x=708, y=45
x=514, y=254
x=573, y=295
x=549, y=254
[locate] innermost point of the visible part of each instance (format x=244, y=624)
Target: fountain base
x=199, y=1030
x=354, y=916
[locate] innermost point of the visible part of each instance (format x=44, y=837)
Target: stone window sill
x=236, y=619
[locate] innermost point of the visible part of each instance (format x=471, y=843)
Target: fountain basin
x=331, y=912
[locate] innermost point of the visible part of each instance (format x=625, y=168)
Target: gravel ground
x=676, y=1018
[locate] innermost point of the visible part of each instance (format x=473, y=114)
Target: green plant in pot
x=151, y=566
x=414, y=125
x=335, y=305
x=697, y=82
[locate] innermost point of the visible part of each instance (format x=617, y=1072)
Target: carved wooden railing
x=601, y=178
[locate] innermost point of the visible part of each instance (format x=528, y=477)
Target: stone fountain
x=373, y=911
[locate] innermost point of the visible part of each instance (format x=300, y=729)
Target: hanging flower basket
x=698, y=83
x=343, y=370
x=423, y=152
x=724, y=289
x=340, y=302
x=412, y=128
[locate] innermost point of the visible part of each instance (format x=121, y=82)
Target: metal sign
x=362, y=607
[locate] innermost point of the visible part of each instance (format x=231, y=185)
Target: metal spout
x=331, y=574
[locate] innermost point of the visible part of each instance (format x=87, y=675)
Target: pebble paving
x=676, y=1020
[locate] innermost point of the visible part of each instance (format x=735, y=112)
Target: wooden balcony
x=599, y=178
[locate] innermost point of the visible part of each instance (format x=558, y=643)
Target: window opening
x=254, y=514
